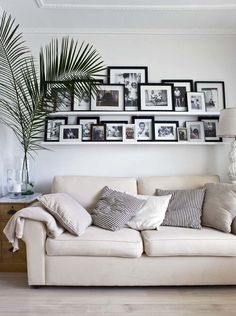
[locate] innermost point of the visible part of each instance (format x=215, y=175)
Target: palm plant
x=23, y=87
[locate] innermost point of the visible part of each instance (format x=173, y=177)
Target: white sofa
x=170, y=256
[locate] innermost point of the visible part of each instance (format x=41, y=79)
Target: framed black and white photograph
x=63, y=99
x=109, y=98
x=114, y=130
x=195, y=131
x=129, y=134
x=82, y=103
x=214, y=94
x=181, y=87
x=196, y=102
x=86, y=123
x=98, y=132
x=143, y=127
x=70, y=133
x=156, y=97
x=211, y=128
x=52, y=128
x=166, y=130
x=131, y=77
x=182, y=134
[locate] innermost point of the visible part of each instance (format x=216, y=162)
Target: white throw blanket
x=15, y=227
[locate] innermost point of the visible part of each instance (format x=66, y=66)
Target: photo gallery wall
x=128, y=90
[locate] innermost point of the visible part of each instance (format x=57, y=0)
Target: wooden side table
x=12, y=261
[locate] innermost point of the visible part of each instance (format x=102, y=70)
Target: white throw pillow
x=152, y=214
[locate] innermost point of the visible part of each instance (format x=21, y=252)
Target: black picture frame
x=176, y=125
x=54, y=118
x=87, y=118
x=210, y=138
x=141, y=118
x=106, y=123
x=65, y=88
x=95, y=139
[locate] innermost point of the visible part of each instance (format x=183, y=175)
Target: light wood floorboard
x=16, y=298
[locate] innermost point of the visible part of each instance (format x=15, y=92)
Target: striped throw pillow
x=185, y=207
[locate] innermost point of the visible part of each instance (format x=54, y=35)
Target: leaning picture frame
x=114, y=130
x=144, y=128
x=52, y=128
x=195, y=131
x=86, y=123
x=166, y=131
x=70, y=133
x=110, y=97
x=211, y=125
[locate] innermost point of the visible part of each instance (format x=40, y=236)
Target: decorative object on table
x=156, y=97
x=196, y=102
x=143, y=128
x=195, y=131
x=181, y=87
x=86, y=123
x=23, y=89
x=110, y=97
x=227, y=129
x=131, y=77
x=70, y=133
x=129, y=133
x=211, y=125
x=182, y=134
x=214, y=94
x=63, y=98
x=114, y=130
x=166, y=131
x=14, y=183
x=98, y=132
x=52, y=130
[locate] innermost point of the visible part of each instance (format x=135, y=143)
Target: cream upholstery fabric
x=176, y=241
x=97, y=242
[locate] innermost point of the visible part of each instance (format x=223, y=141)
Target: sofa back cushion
x=86, y=190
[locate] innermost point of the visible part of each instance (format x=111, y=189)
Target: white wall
x=196, y=57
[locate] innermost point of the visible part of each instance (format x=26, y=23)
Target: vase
x=26, y=184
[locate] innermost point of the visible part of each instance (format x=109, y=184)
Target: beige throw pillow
x=219, y=207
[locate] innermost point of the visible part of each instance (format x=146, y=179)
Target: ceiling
x=203, y=16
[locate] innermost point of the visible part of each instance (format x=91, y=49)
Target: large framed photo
x=86, y=123
x=166, y=131
x=195, y=131
x=143, y=128
x=114, y=130
x=214, y=94
x=110, y=97
x=131, y=77
x=63, y=99
x=129, y=134
x=52, y=128
x=98, y=132
x=70, y=133
x=211, y=128
x=181, y=87
x=196, y=102
x=156, y=97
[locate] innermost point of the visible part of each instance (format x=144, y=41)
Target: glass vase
x=26, y=184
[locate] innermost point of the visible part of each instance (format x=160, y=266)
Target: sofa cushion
x=97, y=242
x=176, y=241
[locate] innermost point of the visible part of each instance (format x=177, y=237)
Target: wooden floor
x=16, y=298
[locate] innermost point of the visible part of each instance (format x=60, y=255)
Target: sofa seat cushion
x=97, y=242
x=176, y=241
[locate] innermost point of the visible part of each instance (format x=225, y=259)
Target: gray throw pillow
x=114, y=209
x=185, y=208
x=219, y=208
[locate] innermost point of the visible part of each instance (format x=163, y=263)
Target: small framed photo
x=214, y=94
x=130, y=77
x=166, y=130
x=109, y=98
x=195, y=131
x=82, y=103
x=211, y=128
x=70, y=133
x=52, y=128
x=182, y=134
x=63, y=99
x=86, y=123
x=181, y=87
x=114, y=130
x=143, y=128
x=196, y=102
x=156, y=97
x=129, y=134
x=98, y=132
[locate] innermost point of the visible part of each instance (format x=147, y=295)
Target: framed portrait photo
x=143, y=128
x=129, y=134
x=110, y=97
x=181, y=87
x=156, y=97
x=82, y=103
x=195, y=131
x=98, y=132
x=166, y=131
x=196, y=102
x=52, y=128
x=86, y=123
x=211, y=128
x=130, y=77
x=214, y=94
x=182, y=134
x=70, y=133
x=114, y=130
x=63, y=99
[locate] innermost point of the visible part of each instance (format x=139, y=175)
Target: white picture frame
x=156, y=97
x=196, y=102
x=195, y=131
x=129, y=133
x=70, y=133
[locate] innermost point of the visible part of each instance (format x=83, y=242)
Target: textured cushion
x=97, y=242
x=185, y=208
x=175, y=241
x=219, y=207
x=152, y=214
x=114, y=209
x=69, y=213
